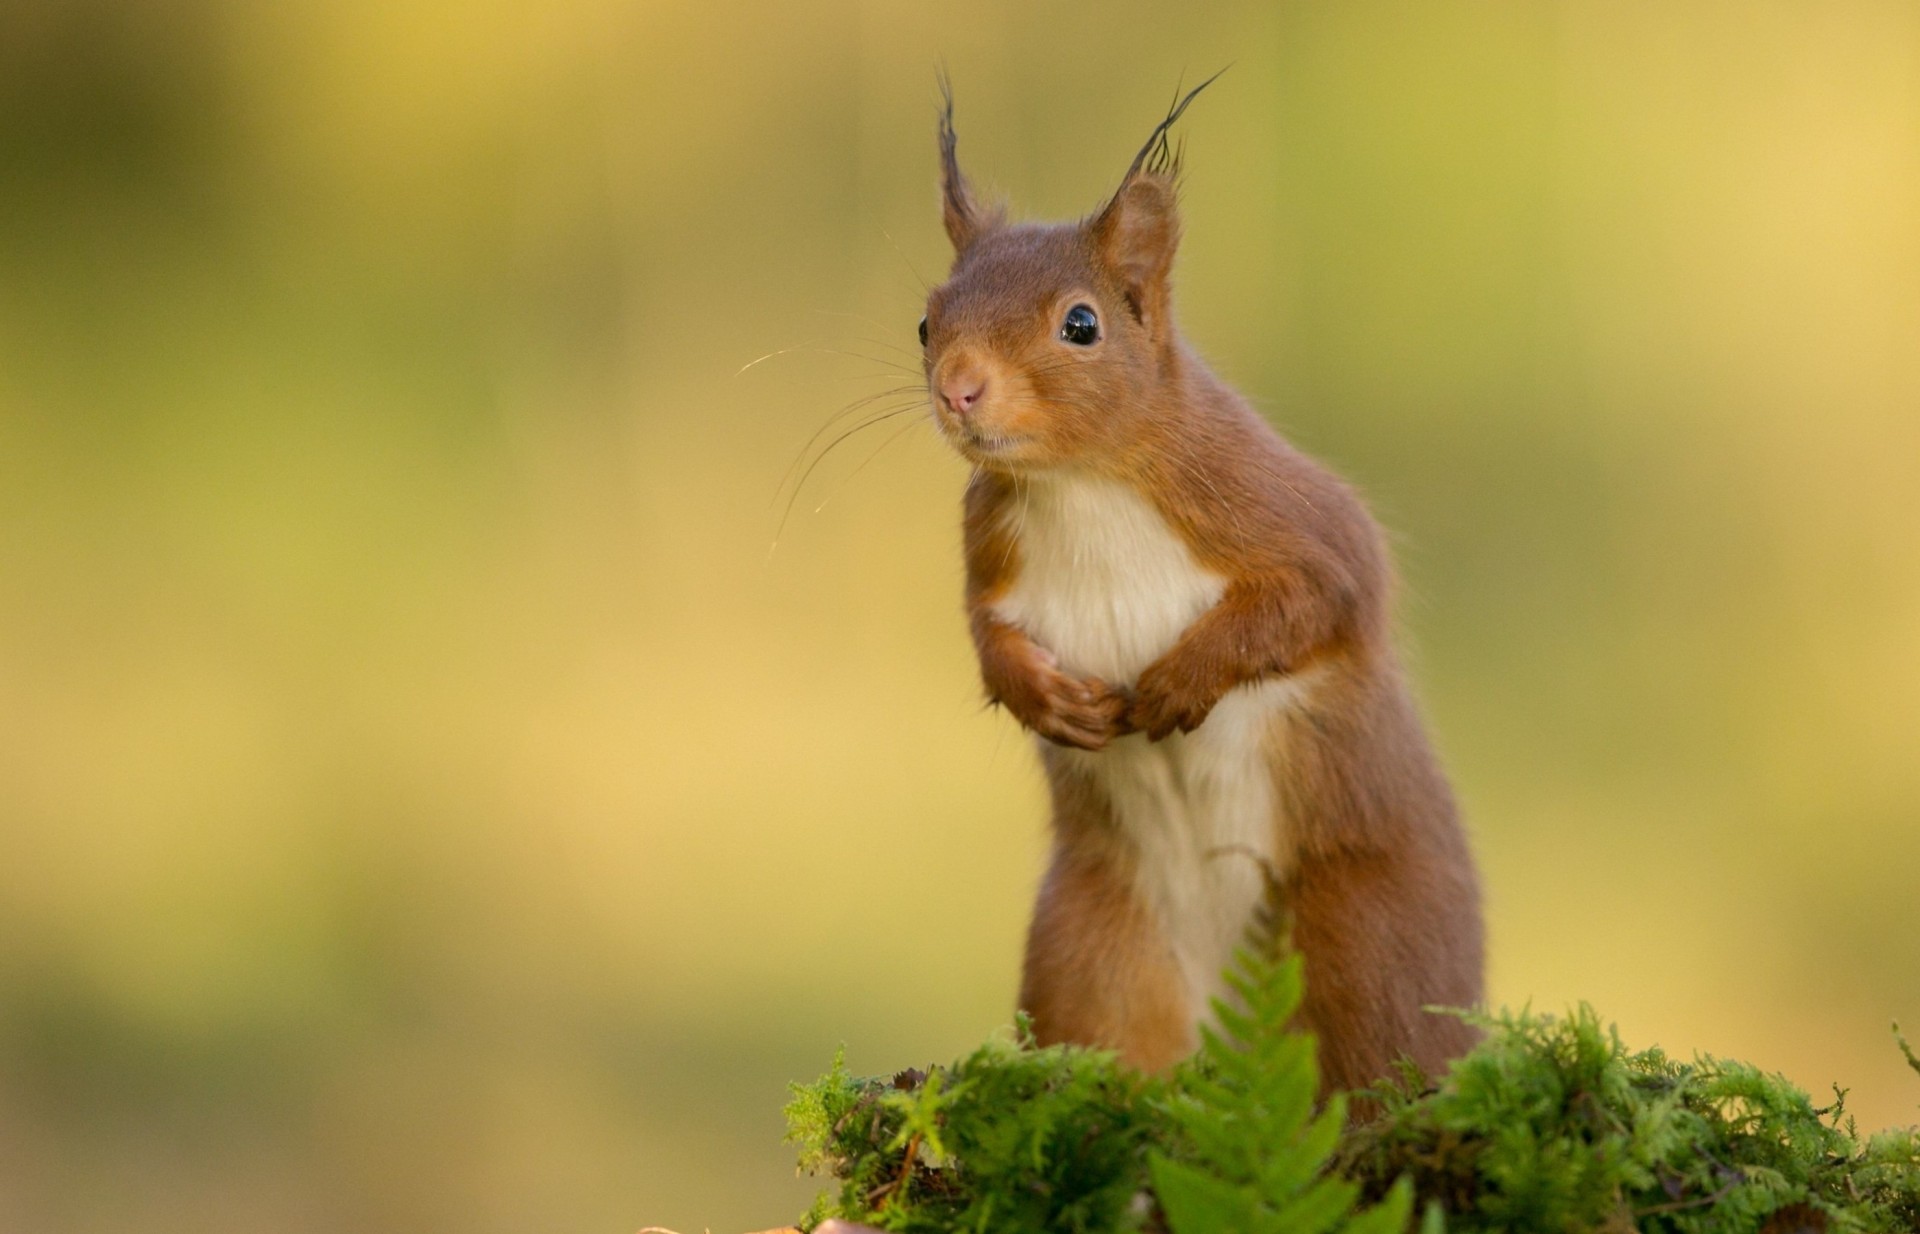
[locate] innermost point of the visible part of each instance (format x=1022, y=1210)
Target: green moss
x=1551, y=1124
x=1011, y=1137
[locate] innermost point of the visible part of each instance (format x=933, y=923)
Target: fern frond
x=1250, y=1154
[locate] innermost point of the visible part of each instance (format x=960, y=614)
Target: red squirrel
x=1193, y=617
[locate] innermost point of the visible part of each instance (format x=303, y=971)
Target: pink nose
x=963, y=390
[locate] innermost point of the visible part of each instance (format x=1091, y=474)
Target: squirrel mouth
x=976, y=443
x=993, y=445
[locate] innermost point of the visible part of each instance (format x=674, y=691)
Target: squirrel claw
x=1081, y=712
x=1160, y=711
x=1084, y=713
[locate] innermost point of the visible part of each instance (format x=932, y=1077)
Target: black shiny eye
x=1081, y=327
x=923, y=332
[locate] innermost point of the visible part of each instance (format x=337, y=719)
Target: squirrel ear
x=957, y=210
x=1136, y=235
x=1138, y=230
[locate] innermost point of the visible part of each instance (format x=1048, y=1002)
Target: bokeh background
x=426, y=803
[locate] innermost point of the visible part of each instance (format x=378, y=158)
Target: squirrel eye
x=923, y=332
x=1081, y=327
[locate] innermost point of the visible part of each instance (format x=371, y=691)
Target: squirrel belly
x=1195, y=825
x=1192, y=823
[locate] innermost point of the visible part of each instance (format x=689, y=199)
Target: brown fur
x=1090, y=923
x=1377, y=878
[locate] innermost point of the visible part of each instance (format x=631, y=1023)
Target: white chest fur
x=1108, y=587
x=1104, y=583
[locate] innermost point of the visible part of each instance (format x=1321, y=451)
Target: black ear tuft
x=957, y=210
x=1159, y=157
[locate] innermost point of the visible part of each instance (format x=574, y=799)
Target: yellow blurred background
x=426, y=804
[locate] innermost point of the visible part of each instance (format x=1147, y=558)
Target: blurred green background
x=427, y=805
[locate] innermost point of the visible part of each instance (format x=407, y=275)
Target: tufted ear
x=1137, y=231
x=1136, y=236
x=957, y=210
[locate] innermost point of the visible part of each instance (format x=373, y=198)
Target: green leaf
x=1198, y=1203
x=1251, y=1155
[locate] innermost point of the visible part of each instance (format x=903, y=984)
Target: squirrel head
x=1049, y=342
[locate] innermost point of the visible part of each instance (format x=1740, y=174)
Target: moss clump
x=1008, y=1138
x=1550, y=1124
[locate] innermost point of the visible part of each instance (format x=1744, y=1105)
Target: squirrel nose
x=963, y=390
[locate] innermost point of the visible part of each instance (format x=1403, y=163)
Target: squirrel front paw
x=1170, y=697
x=1083, y=712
